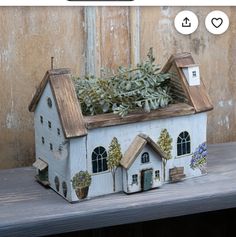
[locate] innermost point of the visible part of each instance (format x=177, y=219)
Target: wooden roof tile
x=68, y=106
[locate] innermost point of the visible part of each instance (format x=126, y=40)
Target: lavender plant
x=142, y=88
x=199, y=158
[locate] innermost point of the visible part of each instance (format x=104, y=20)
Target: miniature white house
x=68, y=142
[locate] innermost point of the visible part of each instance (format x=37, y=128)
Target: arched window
x=183, y=144
x=99, y=159
x=145, y=157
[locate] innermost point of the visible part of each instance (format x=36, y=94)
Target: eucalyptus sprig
x=144, y=87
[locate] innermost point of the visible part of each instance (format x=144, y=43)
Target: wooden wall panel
x=28, y=38
x=86, y=39
x=114, y=36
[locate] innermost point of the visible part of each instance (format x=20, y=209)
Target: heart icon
x=217, y=22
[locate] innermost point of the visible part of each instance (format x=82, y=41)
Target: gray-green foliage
x=144, y=87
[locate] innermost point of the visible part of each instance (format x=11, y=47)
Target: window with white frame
x=145, y=158
x=183, y=144
x=157, y=174
x=99, y=159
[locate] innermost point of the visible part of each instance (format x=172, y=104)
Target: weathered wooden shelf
x=28, y=209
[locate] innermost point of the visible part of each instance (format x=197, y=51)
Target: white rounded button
x=217, y=22
x=186, y=22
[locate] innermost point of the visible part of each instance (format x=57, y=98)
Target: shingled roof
x=136, y=147
x=68, y=106
x=196, y=96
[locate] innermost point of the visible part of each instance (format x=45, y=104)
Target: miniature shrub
x=130, y=89
x=81, y=180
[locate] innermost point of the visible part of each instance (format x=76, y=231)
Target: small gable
x=66, y=100
x=183, y=88
x=136, y=148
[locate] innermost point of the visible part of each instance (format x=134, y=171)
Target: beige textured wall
x=86, y=39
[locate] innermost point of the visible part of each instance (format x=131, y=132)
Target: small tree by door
x=113, y=159
x=165, y=143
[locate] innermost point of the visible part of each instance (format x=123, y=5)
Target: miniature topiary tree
x=80, y=183
x=113, y=159
x=165, y=143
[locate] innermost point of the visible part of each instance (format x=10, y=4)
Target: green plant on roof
x=143, y=88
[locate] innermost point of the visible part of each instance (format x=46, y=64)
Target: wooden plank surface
x=113, y=37
x=28, y=209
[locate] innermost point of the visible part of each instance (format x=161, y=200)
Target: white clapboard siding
x=103, y=184
x=136, y=168
x=57, y=161
x=195, y=125
x=76, y=153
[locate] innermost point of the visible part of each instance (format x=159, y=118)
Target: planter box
x=70, y=142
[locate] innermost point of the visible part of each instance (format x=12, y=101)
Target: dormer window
x=43, y=140
x=58, y=132
x=49, y=124
x=49, y=101
x=192, y=74
x=41, y=119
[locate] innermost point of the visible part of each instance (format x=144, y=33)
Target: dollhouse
x=69, y=143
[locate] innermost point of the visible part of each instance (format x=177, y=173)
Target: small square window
x=43, y=140
x=194, y=73
x=58, y=132
x=49, y=124
x=51, y=147
x=135, y=179
x=41, y=119
x=157, y=174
